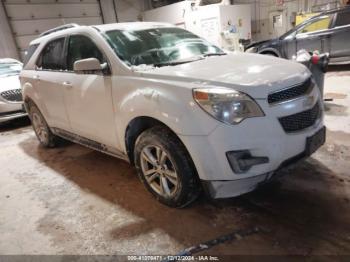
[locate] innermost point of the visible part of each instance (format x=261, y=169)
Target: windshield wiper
x=179, y=62
x=213, y=54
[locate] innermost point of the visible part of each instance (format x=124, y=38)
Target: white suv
x=186, y=114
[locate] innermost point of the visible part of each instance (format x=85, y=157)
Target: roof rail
x=340, y=8
x=59, y=28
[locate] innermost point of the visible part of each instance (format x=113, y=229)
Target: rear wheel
x=165, y=167
x=41, y=129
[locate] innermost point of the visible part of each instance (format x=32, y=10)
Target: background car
x=11, y=102
x=327, y=32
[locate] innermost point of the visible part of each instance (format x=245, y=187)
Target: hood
x=9, y=83
x=256, y=75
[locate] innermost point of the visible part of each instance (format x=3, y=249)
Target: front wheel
x=41, y=129
x=165, y=167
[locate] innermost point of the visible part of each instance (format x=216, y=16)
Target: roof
x=132, y=26
x=105, y=27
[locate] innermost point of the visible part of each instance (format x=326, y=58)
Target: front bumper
x=10, y=111
x=262, y=137
x=224, y=189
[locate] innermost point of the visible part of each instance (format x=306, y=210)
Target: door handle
x=36, y=77
x=67, y=84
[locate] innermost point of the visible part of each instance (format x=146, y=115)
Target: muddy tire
x=165, y=167
x=41, y=129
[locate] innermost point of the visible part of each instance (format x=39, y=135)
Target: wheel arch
x=31, y=96
x=270, y=51
x=136, y=127
x=27, y=101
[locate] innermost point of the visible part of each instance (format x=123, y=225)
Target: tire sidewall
x=149, y=138
x=34, y=110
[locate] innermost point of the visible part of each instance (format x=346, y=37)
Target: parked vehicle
x=186, y=114
x=11, y=103
x=328, y=32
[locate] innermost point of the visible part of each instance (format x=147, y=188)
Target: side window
x=322, y=23
x=51, y=56
x=343, y=18
x=82, y=47
x=28, y=53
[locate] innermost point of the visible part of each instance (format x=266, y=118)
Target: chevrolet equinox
x=188, y=115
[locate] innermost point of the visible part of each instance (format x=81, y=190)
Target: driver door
x=315, y=35
x=88, y=95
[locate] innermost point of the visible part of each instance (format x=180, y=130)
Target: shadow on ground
x=14, y=125
x=300, y=212
x=338, y=68
x=334, y=109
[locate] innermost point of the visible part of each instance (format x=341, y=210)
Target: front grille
x=290, y=93
x=14, y=95
x=300, y=121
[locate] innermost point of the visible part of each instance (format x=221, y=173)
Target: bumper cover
x=225, y=189
x=10, y=111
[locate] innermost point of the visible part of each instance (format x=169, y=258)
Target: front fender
x=170, y=104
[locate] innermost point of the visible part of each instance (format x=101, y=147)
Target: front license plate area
x=315, y=142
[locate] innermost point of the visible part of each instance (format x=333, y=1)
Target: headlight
x=227, y=105
x=252, y=50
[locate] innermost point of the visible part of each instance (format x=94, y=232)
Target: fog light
x=241, y=161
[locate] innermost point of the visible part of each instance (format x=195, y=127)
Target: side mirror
x=89, y=64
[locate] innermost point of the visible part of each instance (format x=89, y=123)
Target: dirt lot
x=71, y=200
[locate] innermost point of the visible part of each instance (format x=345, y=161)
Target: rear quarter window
x=29, y=53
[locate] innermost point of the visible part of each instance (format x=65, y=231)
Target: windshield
x=159, y=46
x=7, y=69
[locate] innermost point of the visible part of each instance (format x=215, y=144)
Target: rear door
x=315, y=35
x=47, y=81
x=340, y=41
x=88, y=96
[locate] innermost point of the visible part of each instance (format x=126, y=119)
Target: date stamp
x=171, y=258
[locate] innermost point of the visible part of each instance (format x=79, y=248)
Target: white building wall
x=7, y=42
x=130, y=10
x=23, y=20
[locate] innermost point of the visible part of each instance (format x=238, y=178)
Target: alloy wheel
x=159, y=171
x=40, y=127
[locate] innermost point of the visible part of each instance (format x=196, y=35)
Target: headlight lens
x=227, y=105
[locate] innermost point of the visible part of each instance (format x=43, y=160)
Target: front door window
x=320, y=24
x=81, y=47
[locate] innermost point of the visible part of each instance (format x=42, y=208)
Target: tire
x=165, y=167
x=270, y=54
x=42, y=131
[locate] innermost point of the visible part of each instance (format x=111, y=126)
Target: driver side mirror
x=88, y=65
